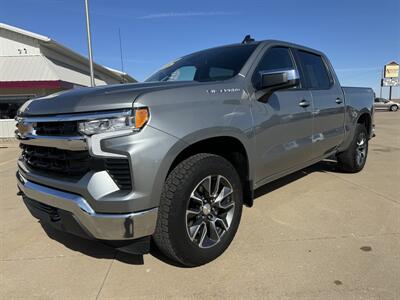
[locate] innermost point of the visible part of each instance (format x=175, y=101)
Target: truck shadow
x=327, y=165
x=99, y=250
x=91, y=248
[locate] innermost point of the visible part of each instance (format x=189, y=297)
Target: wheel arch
x=366, y=119
x=229, y=147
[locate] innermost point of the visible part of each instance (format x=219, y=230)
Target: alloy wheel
x=361, y=149
x=210, y=211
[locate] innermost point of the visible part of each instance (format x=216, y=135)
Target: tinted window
x=216, y=73
x=208, y=65
x=316, y=74
x=275, y=58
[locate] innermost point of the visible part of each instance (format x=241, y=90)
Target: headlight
x=134, y=121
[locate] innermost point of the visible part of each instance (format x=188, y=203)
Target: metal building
x=33, y=65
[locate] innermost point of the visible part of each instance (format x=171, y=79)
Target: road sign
x=390, y=82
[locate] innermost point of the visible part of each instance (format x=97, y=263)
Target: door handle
x=304, y=103
x=339, y=100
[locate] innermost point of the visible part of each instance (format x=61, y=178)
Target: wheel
x=200, y=210
x=353, y=159
x=394, y=108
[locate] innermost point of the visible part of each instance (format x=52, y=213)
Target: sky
x=359, y=36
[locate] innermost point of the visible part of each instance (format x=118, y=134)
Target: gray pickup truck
x=171, y=161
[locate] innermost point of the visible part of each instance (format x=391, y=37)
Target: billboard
x=392, y=70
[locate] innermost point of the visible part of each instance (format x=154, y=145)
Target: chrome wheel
x=210, y=211
x=361, y=149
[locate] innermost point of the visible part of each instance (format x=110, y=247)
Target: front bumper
x=100, y=226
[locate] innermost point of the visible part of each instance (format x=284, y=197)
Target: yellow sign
x=392, y=70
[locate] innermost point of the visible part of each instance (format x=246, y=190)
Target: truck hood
x=102, y=98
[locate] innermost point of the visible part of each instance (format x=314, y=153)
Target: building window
x=10, y=104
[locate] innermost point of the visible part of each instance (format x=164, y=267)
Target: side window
x=316, y=74
x=220, y=73
x=274, y=58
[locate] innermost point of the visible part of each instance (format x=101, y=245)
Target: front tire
x=353, y=159
x=200, y=210
x=394, y=108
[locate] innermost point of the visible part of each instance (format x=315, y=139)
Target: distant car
x=382, y=103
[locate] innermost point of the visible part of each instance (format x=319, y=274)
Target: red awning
x=49, y=84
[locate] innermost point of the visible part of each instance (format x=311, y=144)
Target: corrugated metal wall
x=7, y=128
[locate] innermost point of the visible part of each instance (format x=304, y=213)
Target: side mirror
x=279, y=79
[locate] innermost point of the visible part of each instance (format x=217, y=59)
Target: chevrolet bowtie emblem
x=23, y=128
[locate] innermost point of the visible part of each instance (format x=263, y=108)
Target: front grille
x=56, y=161
x=75, y=164
x=68, y=128
x=119, y=172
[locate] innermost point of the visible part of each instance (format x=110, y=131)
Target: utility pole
x=120, y=51
x=383, y=74
x=89, y=41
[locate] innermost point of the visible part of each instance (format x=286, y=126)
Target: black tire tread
x=183, y=171
x=345, y=159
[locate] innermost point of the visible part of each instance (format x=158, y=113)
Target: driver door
x=283, y=124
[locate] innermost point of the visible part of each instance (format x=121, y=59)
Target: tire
x=353, y=159
x=183, y=217
x=394, y=108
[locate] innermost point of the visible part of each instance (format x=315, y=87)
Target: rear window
x=316, y=73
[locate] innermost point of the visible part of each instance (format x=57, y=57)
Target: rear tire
x=200, y=210
x=394, y=108
x=353, y=159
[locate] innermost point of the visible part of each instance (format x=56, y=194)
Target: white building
x=33, y=65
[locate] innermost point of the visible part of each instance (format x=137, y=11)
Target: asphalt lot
x=314, y=234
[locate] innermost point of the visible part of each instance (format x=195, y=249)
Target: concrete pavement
x=314, y=234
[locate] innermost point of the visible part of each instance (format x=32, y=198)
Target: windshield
x=208, y=65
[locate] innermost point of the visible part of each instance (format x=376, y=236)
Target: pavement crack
x=338, y=237
x=106, y=276
x=8, y=161
x=365, y=187
x=37, y=258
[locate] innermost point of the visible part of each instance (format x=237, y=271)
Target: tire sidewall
x=183, y=246
x=394, y=108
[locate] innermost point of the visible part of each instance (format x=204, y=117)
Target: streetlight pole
x=380, y=93
x=89, y=41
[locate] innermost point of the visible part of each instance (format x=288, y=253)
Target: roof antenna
x=248, y=39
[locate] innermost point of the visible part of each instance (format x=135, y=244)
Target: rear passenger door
x=328, y=101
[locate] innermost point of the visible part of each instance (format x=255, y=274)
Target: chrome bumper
x=100, y=226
